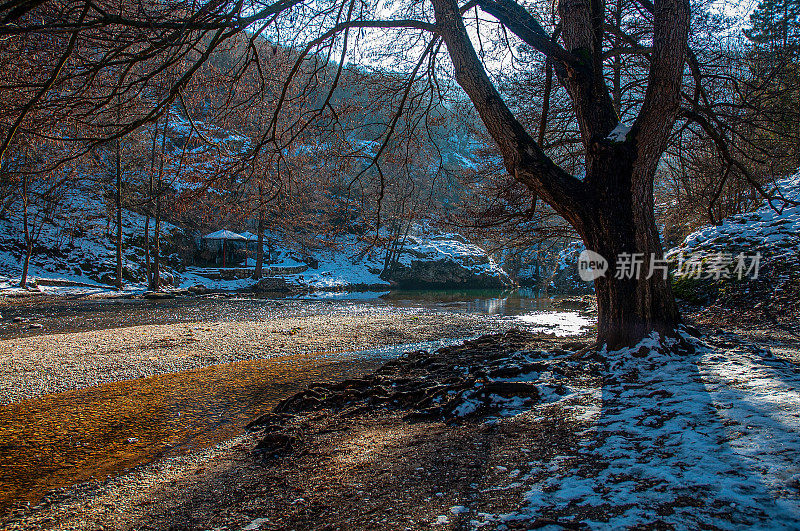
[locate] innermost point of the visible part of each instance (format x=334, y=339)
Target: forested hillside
x=286, y=138
x=203, y=166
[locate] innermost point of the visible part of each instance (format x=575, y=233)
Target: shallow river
x=66, y=438
x=83, y=314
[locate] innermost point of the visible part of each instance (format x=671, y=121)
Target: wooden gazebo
x=221, y=239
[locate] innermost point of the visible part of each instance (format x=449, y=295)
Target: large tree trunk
x=612, y=206
x=630, y=303
x=634, y=297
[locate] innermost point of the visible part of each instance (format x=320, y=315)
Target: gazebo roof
x=250, y=236
x=224, y=234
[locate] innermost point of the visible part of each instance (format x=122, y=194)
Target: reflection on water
x=490, y=302
x=560, y=323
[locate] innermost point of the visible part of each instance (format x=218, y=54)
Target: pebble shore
x=43, y=364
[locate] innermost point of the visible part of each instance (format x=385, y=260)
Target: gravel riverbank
x=34, y=366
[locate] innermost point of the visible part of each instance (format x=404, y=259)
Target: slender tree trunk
x=23, y=281
x=401, y=245
x=260, y=246
x=118, y=205
x=156, y=277
x=388, y=260
x=147, y=264
x=148, y=272
x=548, y=88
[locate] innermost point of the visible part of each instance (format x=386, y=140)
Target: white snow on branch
x=619, y=133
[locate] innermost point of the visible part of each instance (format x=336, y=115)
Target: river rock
x=276, y=285
x=158, y=295
x=199, y=289
x=444, y=261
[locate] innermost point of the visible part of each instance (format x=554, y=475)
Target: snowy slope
x=74, y=251
x=766, y=242
x=564, y=277
x=352, y=266
x=76, y=244
x=62, y=257
x=776, y=234
x=773, y=232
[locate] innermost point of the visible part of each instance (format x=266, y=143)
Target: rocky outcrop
x=278, y=285
x=446, y=261
x=444, y=274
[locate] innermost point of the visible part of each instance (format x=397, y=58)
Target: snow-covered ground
x=348, y=266
x=685, y=438
x=342, y=269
